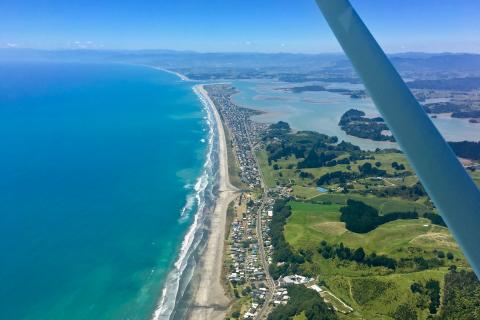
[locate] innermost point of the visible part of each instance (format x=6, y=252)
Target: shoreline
x=209, y=299
x=182, y=281
x=178, y=74
x=200, y=293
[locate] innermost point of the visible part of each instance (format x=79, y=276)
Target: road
x=263, y=312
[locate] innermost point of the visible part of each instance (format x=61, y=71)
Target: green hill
x=373, y=292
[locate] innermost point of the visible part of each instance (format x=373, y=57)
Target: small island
x=354, y=94
x=354, y=123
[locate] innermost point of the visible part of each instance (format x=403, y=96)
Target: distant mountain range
x=450, y=63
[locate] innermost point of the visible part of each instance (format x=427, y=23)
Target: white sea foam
x=171, y=289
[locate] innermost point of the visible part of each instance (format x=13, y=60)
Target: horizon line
x=228, y=52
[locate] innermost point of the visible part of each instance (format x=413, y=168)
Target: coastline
x=194, y=287
x=178, y=74
x=209, y=300
x=176, y=292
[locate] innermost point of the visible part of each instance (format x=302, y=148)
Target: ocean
x=107, y=173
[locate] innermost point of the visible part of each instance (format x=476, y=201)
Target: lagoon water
x=321, y=111
x=97, y=163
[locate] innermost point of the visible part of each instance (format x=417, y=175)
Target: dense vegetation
x=351, y=115
x=435, y=218
x=354, y=123
x=303, y=143
x=306, y=88
x=371, y=271
x=355, y=94
x=405, y=311
x=362, y=218
x=337, y=177
x=431, y=290
x=461, y=296
x=358, y=255
x=412, y=193
x=304, y=300
x=364, y=171
x=314, y=160
x=284, y=260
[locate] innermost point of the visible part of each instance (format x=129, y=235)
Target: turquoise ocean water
x=99, y=183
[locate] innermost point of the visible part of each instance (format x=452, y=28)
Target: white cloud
x=83, y=44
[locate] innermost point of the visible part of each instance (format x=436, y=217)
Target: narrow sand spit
x=210, y=300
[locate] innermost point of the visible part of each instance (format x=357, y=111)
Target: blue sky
x=234, y=25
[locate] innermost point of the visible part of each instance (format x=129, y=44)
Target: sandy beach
x=178, y=74
x=210, y=300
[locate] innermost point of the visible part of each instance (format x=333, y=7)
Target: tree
x=450, y=256
x=452, y=268
x=301, y=300
x=433, y=289
x=359, y=217
x=416, y=287
x=359, y=255
x=405, y=312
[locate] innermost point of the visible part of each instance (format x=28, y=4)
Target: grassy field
x=305, y=192
x=374, y=293
x=378, y=297
x=311, y=223
x=269, y=175
x=383, y=205
x=287, y=172
x=233, y=168
x=301, y=316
